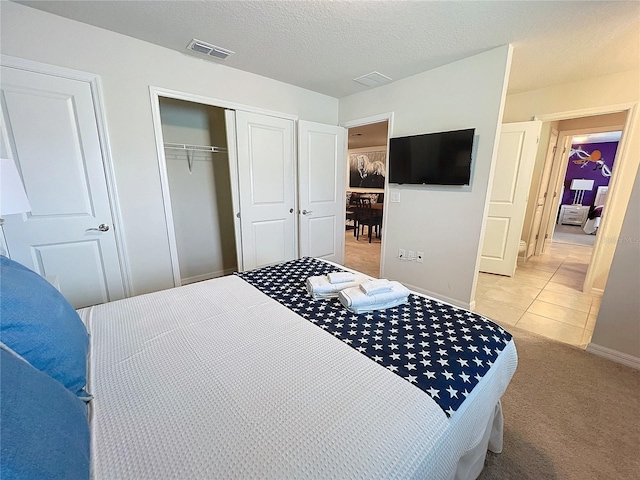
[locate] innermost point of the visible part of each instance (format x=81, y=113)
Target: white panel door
x=508, y=201
x=232, y=157
x=266, y=183
x=49, y=128
x=321, y=187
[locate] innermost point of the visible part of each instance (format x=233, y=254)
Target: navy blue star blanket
x=442, y=349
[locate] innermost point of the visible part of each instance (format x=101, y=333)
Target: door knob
x=101, y=228
x=291, y=210
x=306, y=212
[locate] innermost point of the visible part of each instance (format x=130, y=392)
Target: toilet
x=522, y=248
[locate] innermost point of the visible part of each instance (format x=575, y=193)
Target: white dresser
x=573, y=214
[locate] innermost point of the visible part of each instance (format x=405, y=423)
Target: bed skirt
x=472, y=462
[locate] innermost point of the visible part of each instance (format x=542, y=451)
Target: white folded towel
x=376, y=286
x=356, y=301
x=320, y=286
x=341, y=277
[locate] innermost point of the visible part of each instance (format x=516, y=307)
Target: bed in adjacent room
x=247, y=376
x=592, y=222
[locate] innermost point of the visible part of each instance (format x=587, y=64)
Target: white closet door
x=49, y=123
x=511, y=180
x=232, y=157
x=321, y=185
x=266, y=181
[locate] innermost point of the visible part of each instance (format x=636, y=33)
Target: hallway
x=544, y=296
x=362, y=255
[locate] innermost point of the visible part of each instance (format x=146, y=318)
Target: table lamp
x=580, y=186
x=13, y=198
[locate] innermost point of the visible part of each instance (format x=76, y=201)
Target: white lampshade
x=581, y=184
x=13, y=198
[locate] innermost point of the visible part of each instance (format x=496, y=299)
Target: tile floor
x=544, y=296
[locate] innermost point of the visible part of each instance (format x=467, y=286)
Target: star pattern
x=443, y=350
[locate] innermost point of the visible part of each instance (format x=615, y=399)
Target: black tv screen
x=433, y=159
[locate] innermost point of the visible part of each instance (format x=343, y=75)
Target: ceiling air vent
x=208, y=49
x=373, y=79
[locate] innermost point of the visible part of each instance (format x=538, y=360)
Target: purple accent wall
x=586, y=171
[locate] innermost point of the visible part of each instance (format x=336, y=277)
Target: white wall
x=201, y=198
x=618, y=325
x=602, y=91
x=446, y=223
x=127, y=68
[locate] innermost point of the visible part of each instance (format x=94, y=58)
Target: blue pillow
x=41, y=326
x=44, y=431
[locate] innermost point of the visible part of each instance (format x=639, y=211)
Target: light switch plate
x=394, y=197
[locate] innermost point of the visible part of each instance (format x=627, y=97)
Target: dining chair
x=368, y=217
x=352, y=212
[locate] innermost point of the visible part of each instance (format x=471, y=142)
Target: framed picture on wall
x=367, y=169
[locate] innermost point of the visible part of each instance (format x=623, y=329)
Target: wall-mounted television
x=442, y=158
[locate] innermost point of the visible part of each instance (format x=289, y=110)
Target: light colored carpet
x=572, y=234
x=568, y=415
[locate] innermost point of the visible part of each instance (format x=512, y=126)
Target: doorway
x=616, y=197
x=199, y=181
x=556, y=291
x=585, y=187
x=72, y=234
x=247, y=210
x=364, y=209
x=282, y=204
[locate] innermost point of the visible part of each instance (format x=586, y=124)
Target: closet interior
x=195, y=147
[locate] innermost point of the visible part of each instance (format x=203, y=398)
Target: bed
x=245, y=377
x=592, y=222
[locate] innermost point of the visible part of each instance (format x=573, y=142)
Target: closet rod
x=195, y=148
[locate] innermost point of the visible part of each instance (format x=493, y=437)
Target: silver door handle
x=101, y=228
x=307, y=212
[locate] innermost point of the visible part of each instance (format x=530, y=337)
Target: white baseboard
x=207, y=276
x=439, y=297
x=614, y=355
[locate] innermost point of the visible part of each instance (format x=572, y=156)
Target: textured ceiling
x=322, y=45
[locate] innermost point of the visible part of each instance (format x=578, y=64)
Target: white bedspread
x=217, y=380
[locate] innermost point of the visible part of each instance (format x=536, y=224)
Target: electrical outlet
x=412, y=254
x=401, y=253
x=420, y=258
